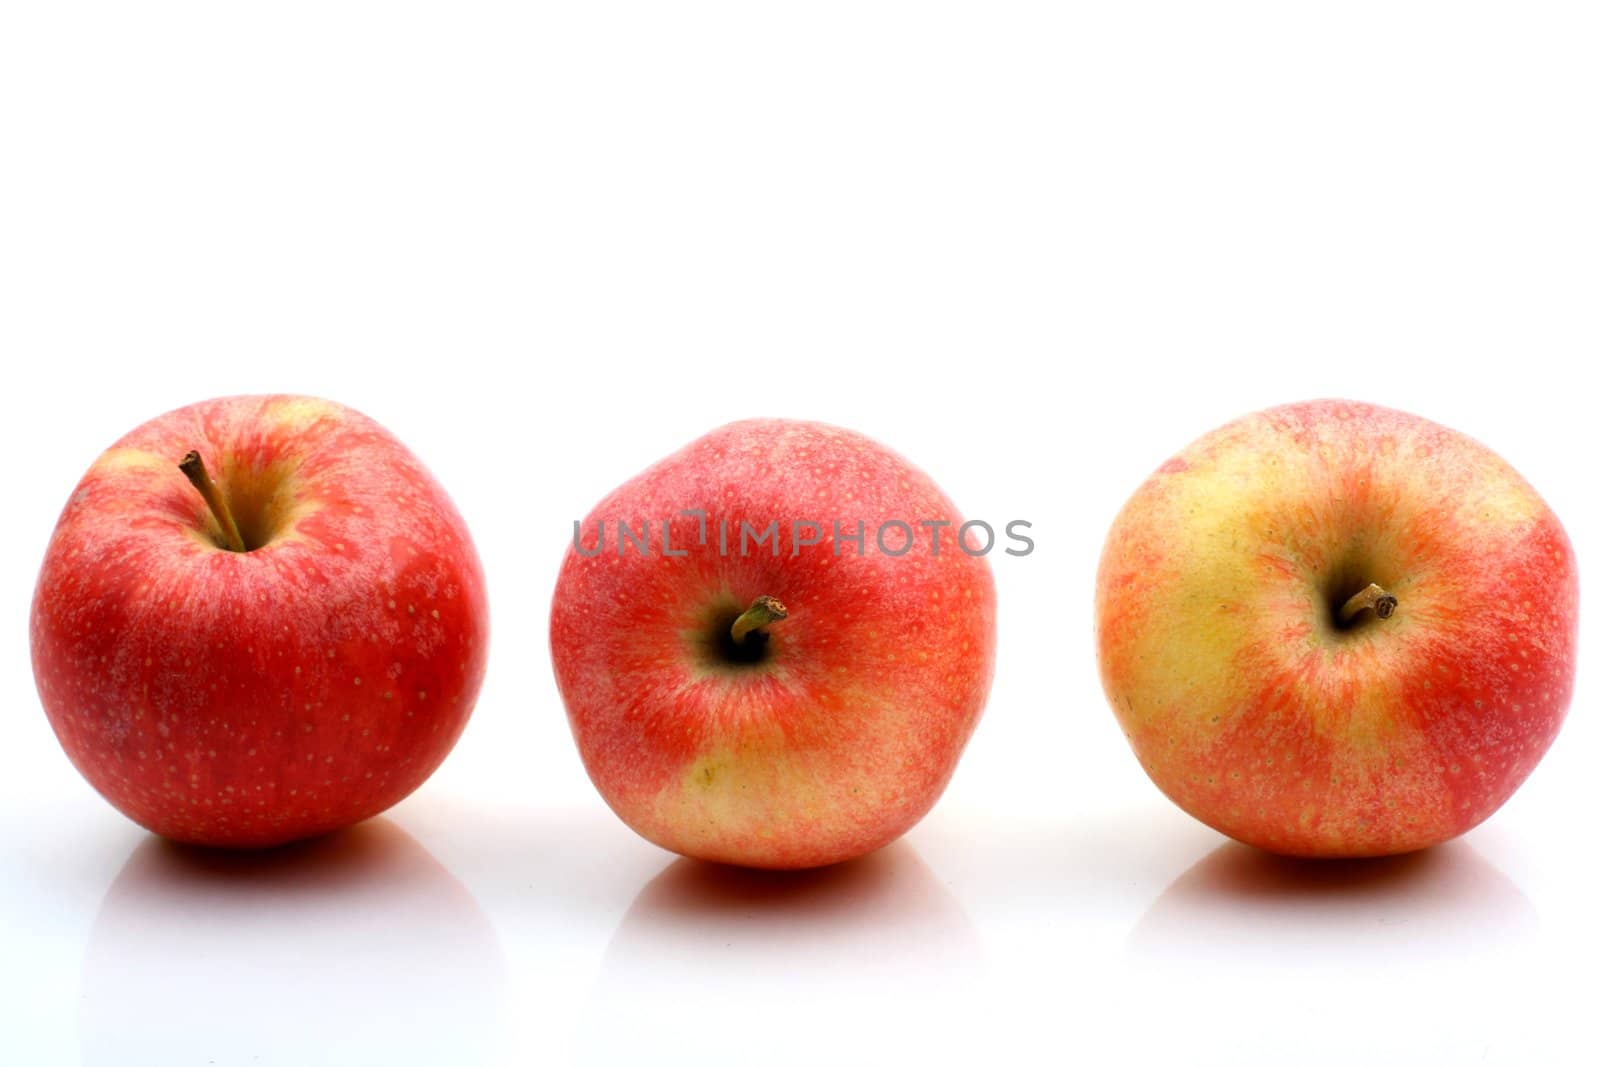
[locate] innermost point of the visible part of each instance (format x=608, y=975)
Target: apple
x=1334, y=629
x=259, y=619
x=784, y=703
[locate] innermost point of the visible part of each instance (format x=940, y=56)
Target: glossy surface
x=1034, y=246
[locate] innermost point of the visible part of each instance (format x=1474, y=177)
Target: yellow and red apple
x=786, y=703
x=1334, y=629
x=258, y=619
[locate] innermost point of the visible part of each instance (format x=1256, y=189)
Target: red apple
x=1332, y=629
x=789, y=703
x=283, y=636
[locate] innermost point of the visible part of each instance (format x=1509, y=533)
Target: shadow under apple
x=1251, y=904
x=357, y=947
x=874, y=957
x=1254, y=956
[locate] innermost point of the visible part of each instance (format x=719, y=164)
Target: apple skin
x=846, y=733
x=1254, y=711
x=246, y=699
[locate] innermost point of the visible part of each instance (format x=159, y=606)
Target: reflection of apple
x=774, y=708
x=1434, y=950
x=259, y=619
x=1288, y=910
x=877, y=951
x=357, y=947
x=1332, y=629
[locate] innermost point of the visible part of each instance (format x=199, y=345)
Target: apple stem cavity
x=194, y=469
x=1381, y=601
x=763, y=610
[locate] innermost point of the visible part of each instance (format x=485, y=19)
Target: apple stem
x=194, y=469
x=1381, y=601
x=762, y=611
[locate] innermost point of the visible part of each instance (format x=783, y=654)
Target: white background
x=1037, y=249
